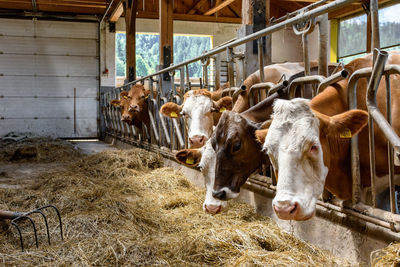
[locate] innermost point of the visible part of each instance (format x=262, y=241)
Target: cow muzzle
x=197, y=141
x=213, y=209
x=126, y=118
x=224, y=194
x=285, y=210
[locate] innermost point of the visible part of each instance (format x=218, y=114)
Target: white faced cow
x=202, y=110
x=309, y=143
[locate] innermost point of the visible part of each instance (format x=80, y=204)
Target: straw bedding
x=388, y=256
x=124, y=208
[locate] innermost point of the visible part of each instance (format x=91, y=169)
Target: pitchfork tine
x=59, y=217
x=20, y=235
x=34, y=229
x=45, y=222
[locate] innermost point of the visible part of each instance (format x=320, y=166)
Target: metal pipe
x=304, y=80
x=268, y=30
x=231, y=75
x=323, y=45
x=373, y=5
x=373, y=85
x=306, y=58
x=105, y=13
x=278, y=87
x=390, y=148
x=260, y=59
x=332, y=79
x=217, y=72
x=257, y=88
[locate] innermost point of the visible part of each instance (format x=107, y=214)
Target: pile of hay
x=388, y=256
x=37, y=149
x=123, y=208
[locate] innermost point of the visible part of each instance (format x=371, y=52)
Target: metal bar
x=278, y=87
x=268, y=30
x=306, y=58
x=303, y=80
x=332, y=79
x=374, y=25
x=105, y=13
x=217, y=71
x=260, y=59
x=257, y=88
x=390, y=148
x=373, y=85
x=231, y=75
x=323, y=45
x=188, y=85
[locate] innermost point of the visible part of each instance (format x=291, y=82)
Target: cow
x=206, y=158
x=202, y=110
x=133, y=106
x=308, y=144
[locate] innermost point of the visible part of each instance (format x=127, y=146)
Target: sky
x=390, y=14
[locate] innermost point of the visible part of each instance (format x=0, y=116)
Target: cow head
x=238, y=154
x=300, y=143
x=138, y=98
x=204, y=158
x=201, y=112
x=123, y=103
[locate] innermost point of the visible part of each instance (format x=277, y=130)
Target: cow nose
x=125, y=118
x=286, y=210
x=133, y=108
x=220, y=195
x=197, y=141
x=213, y=209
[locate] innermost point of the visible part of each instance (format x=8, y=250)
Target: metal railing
x=167, y=135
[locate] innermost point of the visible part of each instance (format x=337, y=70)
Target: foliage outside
x=148, y=52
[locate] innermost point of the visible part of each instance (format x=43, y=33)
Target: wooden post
x=166, y=40
x=130, y=8
x=255, y=17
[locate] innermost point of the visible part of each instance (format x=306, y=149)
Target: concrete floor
x=92, y=146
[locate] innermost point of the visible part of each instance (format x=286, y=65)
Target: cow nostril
x=220, y=195
x=293, y=210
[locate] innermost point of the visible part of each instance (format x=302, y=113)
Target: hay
x=37, y=149
x=123, y=208
x=388, y=256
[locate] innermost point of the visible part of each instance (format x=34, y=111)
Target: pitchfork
x=20, y=216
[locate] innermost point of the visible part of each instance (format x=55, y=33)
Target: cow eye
x=236, y=147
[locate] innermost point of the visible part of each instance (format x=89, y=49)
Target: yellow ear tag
x=345, y=134
x=189, y=160
x=125, y=97
x=173, y=114
x=146, y=97
x=222, y=109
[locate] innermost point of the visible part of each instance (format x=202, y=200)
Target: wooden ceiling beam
x=186, y=17
x=117, y=12
x=219, y=7
x=196, y=6
x=235, y=9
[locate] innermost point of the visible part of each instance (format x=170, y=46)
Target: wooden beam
x=186, y=17
x=219, y=7
x=117, y=13
x=196, y=6
x=166, y=32
x=235, y=8
x=130, y=8
x=247, y=12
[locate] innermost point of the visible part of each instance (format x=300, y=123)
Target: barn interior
x=62, y=62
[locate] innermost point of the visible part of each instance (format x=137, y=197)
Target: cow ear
x=123, y=94
x=225, y=103
x=350, y=123
x=345, y=125
x=189, y=157
x=115, y=102
x=171, y=110
x=260, y=135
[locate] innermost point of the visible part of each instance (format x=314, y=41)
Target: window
x=147, y=52
x=353, y=37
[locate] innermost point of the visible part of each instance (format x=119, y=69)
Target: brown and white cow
x=202, y=110
x=206, y=158
x=309, y=143
x=133, y=106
